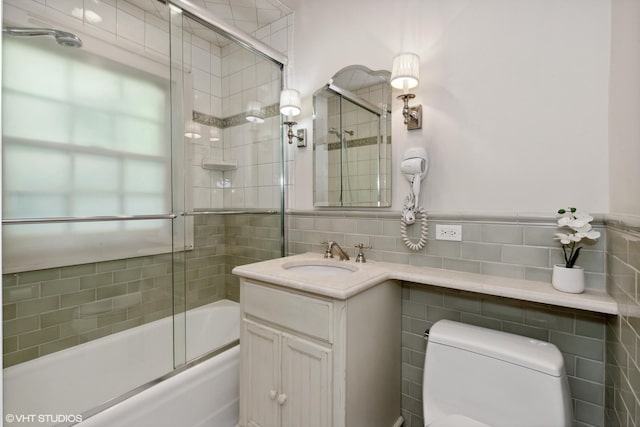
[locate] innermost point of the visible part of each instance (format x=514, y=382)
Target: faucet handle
x=360, y=257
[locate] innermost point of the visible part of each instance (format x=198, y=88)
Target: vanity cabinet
x=312, y=361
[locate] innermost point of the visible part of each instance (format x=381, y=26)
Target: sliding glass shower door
x=232, y=163
x=142, y=161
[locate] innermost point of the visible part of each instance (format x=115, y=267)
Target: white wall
x=514, y=95
x=624, y=109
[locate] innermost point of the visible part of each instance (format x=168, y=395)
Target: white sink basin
x=320, y=268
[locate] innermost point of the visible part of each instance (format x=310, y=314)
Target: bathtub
x=66, y=386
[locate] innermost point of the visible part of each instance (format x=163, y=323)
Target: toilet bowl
x=478, y=377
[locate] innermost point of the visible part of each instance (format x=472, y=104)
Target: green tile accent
x=512, y=234
x=77, y=298
x=57, y=317
x=38, y=276
x=96, y=280
x=61, y=344
x=9, y=311
x=78, y=270
x=9, y=345
x=590, y=370
x=20, y=325
x=20, y=293
x=588, y=348
x=37, y=306
x=38, y=337
x=20, y=356
x=57, y=287
x=558, y=320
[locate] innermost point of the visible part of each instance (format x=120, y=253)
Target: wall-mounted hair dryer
x=414, y=168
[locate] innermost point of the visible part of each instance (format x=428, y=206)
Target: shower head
x=336, y=132
x=62, y=37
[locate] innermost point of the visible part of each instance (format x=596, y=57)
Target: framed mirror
x=352, y=139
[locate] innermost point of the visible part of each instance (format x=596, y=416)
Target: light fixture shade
x=192, y=130
x=290, y=102
x=254, y=112
x=405, y=73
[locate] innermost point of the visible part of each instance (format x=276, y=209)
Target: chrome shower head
x=62, y=37
x=67, y=39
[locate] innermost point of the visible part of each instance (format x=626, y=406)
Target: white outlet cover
x=449, y=232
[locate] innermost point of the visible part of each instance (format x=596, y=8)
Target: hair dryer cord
x=424, y=230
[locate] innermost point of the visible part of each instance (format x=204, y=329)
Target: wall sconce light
x=290, y=106
x=192, y=130
x=254, y=112
x=214, y=134
x=405, y=75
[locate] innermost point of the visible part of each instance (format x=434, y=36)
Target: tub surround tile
x=89, y=301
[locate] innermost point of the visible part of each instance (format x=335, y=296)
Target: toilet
x=478, y=377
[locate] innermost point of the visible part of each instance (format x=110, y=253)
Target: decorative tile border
x=235, y=120
x=354, y=143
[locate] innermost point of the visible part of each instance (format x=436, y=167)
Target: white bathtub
x=73, y=381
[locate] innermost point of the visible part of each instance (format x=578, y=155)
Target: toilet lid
x=456, y=420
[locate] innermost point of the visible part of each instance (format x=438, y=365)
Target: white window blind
x=82, y=136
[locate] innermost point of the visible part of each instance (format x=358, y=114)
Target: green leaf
x=561, y=211
x=573, y=210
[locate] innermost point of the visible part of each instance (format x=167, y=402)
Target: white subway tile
x=201, y=80
x=130, y=27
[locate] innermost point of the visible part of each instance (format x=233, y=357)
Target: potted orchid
x=570, y=277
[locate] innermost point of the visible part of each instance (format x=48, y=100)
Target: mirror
x=352, y=139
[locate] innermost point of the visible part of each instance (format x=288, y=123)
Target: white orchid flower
x=579, y=223
x=591, y=235
x=566, y=239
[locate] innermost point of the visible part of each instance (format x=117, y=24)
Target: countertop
x=372, y=273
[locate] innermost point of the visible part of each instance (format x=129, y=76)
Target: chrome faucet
x=329, y=252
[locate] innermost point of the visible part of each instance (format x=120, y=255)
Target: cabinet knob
x=273, y=394
x=282, y=398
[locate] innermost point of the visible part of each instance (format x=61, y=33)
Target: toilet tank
x=495, y=378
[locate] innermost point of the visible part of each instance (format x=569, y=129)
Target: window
x=82, y=136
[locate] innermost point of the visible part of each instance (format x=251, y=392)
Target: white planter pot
x=568, y=279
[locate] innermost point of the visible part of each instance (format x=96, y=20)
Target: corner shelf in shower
x=220, y=165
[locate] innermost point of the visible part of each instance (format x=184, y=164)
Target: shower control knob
x=282, y=398
x=273, y=394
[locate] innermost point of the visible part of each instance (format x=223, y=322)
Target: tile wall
x=49, y=310
x=623, y=331
x=579, y=335
x=518, y=247
x=225, y=81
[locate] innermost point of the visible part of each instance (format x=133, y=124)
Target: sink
x=319, y=268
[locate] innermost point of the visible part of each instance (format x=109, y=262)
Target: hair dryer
x=414, y=168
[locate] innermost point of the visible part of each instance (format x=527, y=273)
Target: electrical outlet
x=449, y=232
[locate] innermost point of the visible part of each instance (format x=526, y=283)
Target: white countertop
x=372, y=273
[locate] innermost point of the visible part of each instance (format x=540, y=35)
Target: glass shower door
x=231, y=189
x=87, y=213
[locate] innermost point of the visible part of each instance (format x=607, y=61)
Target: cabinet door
x=260, y=352
x=306, y=383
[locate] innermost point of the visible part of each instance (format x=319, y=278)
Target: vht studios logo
x=43, y=418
